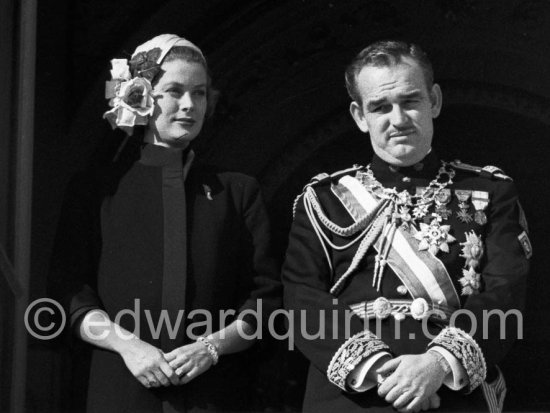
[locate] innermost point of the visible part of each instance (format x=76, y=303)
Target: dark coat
x=307, y=280
x=110, y=252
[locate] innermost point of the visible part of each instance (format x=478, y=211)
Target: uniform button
x=406, y=179
x=402, y=290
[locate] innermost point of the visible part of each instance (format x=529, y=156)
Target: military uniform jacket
x=335, y=346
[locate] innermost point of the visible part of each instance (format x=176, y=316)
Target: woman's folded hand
x=147, y=364
x=189, y=361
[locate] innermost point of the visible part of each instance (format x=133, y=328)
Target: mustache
x=401, y=132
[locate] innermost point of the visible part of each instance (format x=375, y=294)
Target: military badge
x=463, y=196
x=442, y=198
x=404, y=216
x=480, y=200
x=470, y=281
x=472, y=249
x=434, y=237
x=420, y=211
x=464, y=216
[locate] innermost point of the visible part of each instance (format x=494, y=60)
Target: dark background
x=283, y=117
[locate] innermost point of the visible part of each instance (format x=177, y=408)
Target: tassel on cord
x=366, y=243
x=313, y=210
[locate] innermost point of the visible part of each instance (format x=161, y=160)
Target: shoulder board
x=486, y=171
x=324, y=177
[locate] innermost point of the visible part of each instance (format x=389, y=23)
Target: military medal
x=470, y=281
x=463, y=215
x=480, y=200
x=472, y=251
x=420, y=211
x=407, y=210
x=434, y=237
x=442, y=198
x=405, y=216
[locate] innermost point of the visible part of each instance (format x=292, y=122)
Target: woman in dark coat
x=163, y=266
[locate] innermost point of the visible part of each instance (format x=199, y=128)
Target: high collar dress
x=145, y=237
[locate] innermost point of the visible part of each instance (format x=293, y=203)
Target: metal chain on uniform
x=423, y=200
x=402, y=199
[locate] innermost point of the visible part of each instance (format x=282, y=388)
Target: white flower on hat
x=130, y=97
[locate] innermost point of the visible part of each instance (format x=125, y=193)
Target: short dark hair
x=386, y=53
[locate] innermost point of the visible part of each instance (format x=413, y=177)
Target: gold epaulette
x=486, y=171
x=324, y=177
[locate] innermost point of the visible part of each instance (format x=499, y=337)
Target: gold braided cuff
x=466, y=350
x=357, y=348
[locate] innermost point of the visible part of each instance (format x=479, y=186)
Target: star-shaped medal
x=420, y=211
x=434, y=237
x=472, y=249
x=470, y=282
x=464, y=216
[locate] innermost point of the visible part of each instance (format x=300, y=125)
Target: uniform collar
x=426, y=168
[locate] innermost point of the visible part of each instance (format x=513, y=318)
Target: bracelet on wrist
x=211, y=348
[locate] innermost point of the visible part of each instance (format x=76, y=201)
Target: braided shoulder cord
x=309, y=209
x=372, y=234
x=318, y=231
x=295, y=205
x=320, y=177
x=336, y=229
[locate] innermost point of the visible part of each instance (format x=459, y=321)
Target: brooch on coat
x=207, y=192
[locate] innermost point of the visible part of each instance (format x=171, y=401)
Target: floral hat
x=130, y=90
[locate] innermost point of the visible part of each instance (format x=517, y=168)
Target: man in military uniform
x=409, y=273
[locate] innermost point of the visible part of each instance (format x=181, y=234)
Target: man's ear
x=436, y=98
x=358, y=116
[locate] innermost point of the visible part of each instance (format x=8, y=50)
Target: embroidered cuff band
x=466, y=350
x=353, y=351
